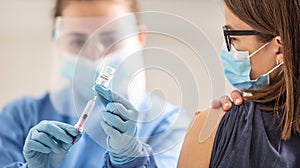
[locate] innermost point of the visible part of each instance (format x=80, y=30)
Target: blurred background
x=25, y=44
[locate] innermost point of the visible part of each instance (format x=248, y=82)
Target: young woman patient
x=261, y=58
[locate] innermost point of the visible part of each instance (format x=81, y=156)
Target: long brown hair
x=277, y=18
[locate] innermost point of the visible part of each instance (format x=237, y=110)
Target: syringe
x=88, y=108
x=104, y=78
x=82, y=120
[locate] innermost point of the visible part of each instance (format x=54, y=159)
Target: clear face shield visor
x=93, y=37
x=83, y=47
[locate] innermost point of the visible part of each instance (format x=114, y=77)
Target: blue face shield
x=237, y=68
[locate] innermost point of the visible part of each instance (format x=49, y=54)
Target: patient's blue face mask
x=237, y=68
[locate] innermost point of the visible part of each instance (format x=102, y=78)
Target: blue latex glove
x=47, y=144
x=119, y=123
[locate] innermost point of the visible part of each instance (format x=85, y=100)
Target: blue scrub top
x=18, y=117
x=250, y=137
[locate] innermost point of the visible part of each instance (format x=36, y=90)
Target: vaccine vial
x=105, y=76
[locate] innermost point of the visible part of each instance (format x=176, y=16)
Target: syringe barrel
x=88, y=108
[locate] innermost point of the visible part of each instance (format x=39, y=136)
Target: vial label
x=105, y=76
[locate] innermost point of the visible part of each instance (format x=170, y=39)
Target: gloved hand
x=119, y=123
x=47, y=144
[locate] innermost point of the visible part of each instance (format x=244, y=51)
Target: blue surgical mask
x=82, y=72
x=237, y=68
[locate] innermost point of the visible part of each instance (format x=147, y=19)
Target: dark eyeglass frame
x=228, y=33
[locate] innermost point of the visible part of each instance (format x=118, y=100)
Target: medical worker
x=39, y=132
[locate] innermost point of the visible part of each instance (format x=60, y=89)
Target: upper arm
x=197, y=147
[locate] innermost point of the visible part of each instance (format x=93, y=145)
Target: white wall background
x=25, y=41
x=25, y=59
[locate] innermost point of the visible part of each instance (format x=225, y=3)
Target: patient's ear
x=279, y=49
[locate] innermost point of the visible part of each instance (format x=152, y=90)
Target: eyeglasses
x=228, y=33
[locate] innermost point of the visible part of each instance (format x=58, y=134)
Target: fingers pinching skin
x=237, y=98
x=226, y=103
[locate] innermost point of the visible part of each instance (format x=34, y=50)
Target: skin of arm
x=199, y=140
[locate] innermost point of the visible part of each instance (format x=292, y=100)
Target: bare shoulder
x=198, y=142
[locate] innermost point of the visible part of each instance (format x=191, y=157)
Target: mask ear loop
x=273, y=69
x=259, y=49
x=247, y=94
x=277, y=61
